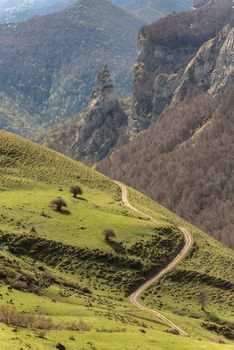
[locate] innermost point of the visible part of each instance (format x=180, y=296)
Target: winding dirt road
x=135, y=297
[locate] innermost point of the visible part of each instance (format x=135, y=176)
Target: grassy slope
x=30, y=177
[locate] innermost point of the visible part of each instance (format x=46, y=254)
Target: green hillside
x=60, y=266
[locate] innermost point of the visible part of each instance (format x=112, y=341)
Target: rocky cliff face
x=151, y=61
x=211, y=70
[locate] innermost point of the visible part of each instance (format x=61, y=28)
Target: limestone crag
x=151, y=62
x=212, y=69
x=102, y=124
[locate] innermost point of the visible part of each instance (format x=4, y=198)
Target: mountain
x=18, y=10
x=63, y=283
x=187, y=153
x=48, y=64
x=165, y=49
x=176, y=70
x=151, y=10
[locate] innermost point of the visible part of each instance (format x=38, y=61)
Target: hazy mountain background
x=146, y=10
x=18, y=10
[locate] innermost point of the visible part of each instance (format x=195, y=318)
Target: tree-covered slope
x=48, y=64
x=59, y=265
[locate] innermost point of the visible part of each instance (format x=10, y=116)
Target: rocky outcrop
x=211, y=71
x=102, y=124
x=164, y=87
x=151, y=61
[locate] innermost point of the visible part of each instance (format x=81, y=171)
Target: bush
x=12, y=317
x=58, y=203
x=76, y=190
x=81, y=326
x=173, y=331
x=108, y=234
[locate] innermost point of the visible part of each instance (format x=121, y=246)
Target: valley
x=116, y=185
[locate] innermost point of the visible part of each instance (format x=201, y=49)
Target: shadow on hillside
x=64, y=212
x=81, y=199
x=116, y=246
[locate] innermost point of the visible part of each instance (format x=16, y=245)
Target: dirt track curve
x=136, y=295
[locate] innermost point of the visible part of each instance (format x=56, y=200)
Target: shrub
x=110, y=330
x=20, y=285
x=108, y=234
x=81, y=326
x=58, y=203
x=173, y=331
x=3, y=273
x=76, y=190
x=12, y=317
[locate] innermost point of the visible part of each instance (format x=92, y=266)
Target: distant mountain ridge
x=146, y=10
x=18, y=10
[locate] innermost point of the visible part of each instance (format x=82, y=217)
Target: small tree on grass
x=76, y=190
x=58, y=204
x=109, y=234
